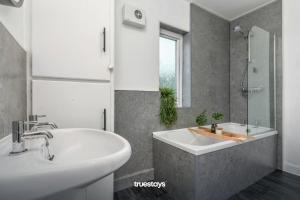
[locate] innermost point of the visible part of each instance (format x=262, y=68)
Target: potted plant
x=215, y=118
x=201, y=119
x=168, y=111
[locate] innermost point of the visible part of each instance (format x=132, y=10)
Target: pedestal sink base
x=101, y=190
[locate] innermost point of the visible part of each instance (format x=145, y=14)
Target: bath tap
x=19, y=135
x=244, y=123
x=257, y=124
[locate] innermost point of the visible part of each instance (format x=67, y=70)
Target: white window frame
x=178, y=38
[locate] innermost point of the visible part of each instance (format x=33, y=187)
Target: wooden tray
x=225, y=136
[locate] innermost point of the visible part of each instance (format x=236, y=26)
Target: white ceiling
x=231, y=9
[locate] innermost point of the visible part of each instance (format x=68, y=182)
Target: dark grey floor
x=142, y=194
x=277, y=186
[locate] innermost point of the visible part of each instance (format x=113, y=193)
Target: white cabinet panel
x=72, y=104
x=68, y=38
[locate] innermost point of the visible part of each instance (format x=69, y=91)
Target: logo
x=150, y=184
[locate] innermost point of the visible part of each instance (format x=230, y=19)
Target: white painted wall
x=291, y=83
x=137, y=50
x=15, y=20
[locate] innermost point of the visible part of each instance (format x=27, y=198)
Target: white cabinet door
x=68, y=38
x=72, y=104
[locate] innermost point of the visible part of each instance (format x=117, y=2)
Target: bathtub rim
x=204, y=149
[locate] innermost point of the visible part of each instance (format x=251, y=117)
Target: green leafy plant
x=217, y=116
x=168, y=111
x=201, y=120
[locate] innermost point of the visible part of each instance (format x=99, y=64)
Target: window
x=170, y=72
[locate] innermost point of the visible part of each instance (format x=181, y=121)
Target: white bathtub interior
x=242, y=128
x=187, y=137
x=199, y=144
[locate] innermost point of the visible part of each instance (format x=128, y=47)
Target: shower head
x=238, y=29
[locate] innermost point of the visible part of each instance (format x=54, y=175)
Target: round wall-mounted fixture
x=14, y=3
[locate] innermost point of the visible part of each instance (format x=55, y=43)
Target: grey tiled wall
x=136, y=117
x=12, y=81
x=269, y=18
x=137, y=112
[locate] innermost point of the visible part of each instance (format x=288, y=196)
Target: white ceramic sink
x=82, y=156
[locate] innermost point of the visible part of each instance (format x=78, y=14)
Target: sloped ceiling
x=231, y=9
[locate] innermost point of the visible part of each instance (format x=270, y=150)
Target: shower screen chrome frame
x=275, y=79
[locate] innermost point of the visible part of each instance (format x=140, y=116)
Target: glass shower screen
x=261, y=82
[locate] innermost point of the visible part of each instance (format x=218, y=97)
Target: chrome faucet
x=19, y=135
x=39, y=125
x=36, y=125
x=18, y=143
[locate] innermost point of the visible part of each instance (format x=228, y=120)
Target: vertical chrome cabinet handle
x=104, y=119
x=104, y=39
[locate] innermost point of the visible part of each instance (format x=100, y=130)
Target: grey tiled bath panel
x=217, y=175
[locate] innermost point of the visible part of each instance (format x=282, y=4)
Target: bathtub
x=199, y=167
x=198, y=144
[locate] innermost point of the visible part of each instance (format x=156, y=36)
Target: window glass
x=170, y=73
x=167, y=63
